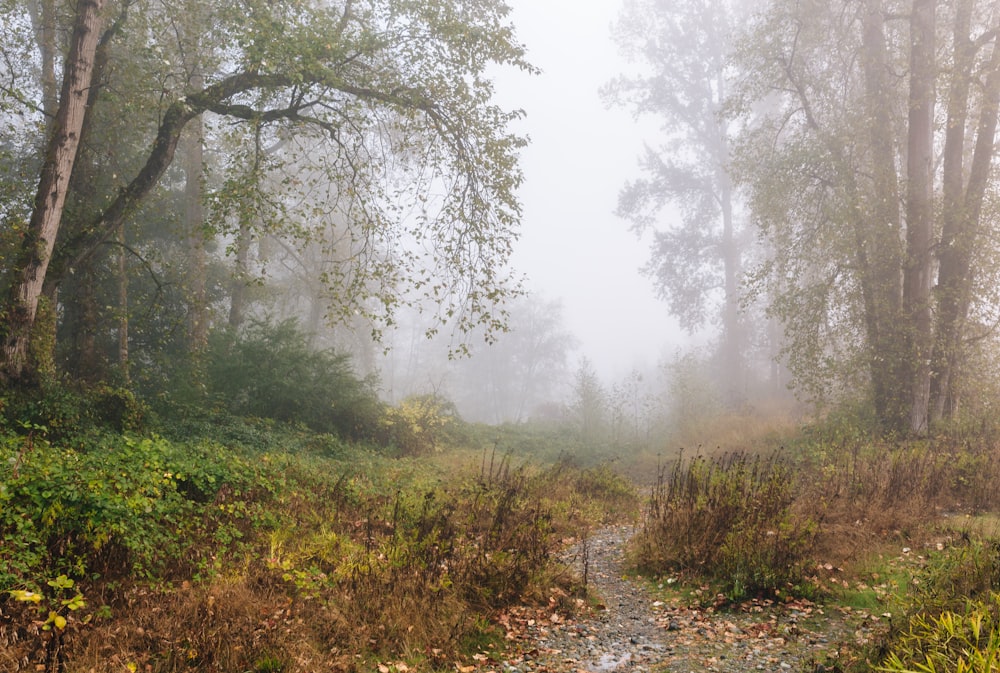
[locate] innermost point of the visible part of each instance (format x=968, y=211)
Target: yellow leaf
x=60, y=622
x=26, y=596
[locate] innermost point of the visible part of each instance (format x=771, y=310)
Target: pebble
x=638, y=633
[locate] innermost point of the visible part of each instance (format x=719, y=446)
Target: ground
x=632, y=628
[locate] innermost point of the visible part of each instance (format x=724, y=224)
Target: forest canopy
x=192, y=145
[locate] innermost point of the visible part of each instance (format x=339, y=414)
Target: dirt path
x=633, y=631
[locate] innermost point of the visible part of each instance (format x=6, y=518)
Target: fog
x=580, y=261
x=573, y=247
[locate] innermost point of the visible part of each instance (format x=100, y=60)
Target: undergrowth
x=727, y=519
x=143, y=553
x=949, y=616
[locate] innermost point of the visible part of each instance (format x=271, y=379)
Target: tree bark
x=194, y=215
x=920, y=212
x=39, y=241
x=43, y=19
x=123, y=357
x=961, y=216
x=241, y=277
x=877, y=232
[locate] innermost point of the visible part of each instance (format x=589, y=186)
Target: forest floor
x=634, y=626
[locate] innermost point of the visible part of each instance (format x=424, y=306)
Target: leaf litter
x=627, y=627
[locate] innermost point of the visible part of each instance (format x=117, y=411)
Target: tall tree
x=964, y=187
x=419, y=159
x=844, y=174
x=698, y=256
x=920, y=209
x=53, y=186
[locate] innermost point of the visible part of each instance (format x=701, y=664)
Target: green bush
x=117, y=506
x=66, y=411
x=952, y=642
x=967, y=571
x=57, y=408
x=269, y=371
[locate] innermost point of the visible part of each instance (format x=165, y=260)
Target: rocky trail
x=632, y=631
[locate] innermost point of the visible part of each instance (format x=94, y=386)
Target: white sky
x=573, y=247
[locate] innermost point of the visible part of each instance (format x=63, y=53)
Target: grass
x=866, y=525
x=189, y=555
x=728, y=520
x=250, y=546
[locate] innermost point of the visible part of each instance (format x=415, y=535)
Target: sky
x=573, y=247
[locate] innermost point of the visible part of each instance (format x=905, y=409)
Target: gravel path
x=633, y=632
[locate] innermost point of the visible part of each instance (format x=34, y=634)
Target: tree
x=964, y=187
x=843, y=174
x=698, y=256
x=524, y=368
x=53, y=186
x=421, y=161
x=589, y=405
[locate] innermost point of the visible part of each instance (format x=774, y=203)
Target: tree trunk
x=87, y=365
x=39, y=241
x=732, y=333
x=194, y=216
x=732, y=339
x=123, y=361
x=961, y=216
x=920, y=212
x=43, y=19
x=241, y=277
x=877, y=232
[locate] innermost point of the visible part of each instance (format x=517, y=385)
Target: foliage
x=836, y=103
x=64, y=410
x=728, y=519
x=950, y=613
x=964, y=642
x=268, y=371
x=701, y=248
x=419, y=425
x=966, y=571
x=117, y=506
x=304, y=545
x=339, y=128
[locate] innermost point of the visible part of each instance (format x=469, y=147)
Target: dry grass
x=866, y=494
x=844, y=498
x=728, y=520
x=334, y=574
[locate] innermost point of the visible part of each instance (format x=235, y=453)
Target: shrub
x=269, y=371
x=956, y=642
x=727, y=519
x=117, y=506
x=419, y=425
x=969, y=570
